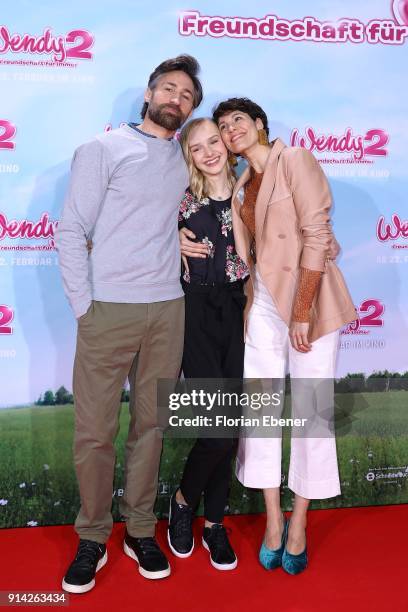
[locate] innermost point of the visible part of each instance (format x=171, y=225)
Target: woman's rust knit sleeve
x=308, y=285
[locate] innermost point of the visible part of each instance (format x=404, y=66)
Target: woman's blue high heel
x=272, y=558
x=294, y=564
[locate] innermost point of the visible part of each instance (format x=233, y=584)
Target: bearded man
x=124, y=194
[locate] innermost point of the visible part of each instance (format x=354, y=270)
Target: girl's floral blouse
x=211, y=222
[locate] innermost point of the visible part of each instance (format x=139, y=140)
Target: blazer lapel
x=241, y=234
x=267, y=187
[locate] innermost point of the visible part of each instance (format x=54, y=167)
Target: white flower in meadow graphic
x=3, y=502
x=22, y=485
x=57, y=503
x=32, y=524
x=46, y=467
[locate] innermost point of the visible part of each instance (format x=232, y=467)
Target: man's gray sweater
x=124, y=194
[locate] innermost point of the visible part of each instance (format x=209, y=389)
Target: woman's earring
x=262, y=137
x=232, y=160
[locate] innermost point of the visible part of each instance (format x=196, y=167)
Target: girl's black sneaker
x=180, y=531
x=215, y=540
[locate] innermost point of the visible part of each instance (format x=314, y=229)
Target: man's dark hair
x=185, y=63
x=244, y=105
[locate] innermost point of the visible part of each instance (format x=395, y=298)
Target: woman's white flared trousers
x=313, y=469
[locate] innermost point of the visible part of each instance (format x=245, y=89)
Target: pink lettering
x=7, y=133
x=187, y=23
x=272, y=27
x=282, y=30
x=79, y=50
x=297, y=30
x=44, y=228
x=391, y=231
x=48, y=44
x=249, y=28
x=6, y=316
x=331, y=143
x=216, y=27
x=347, y=143
x=6, y=39
x=386, y=31
x=201, y=24
x=266, y=28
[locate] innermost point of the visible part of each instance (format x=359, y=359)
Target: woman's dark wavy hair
x=245, y=105
x=185, y=63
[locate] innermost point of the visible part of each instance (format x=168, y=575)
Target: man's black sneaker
x=180, y=531
x=215, y=540
x=152, y=561
x=90, y=557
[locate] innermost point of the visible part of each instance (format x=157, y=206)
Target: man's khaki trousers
x=144, y=342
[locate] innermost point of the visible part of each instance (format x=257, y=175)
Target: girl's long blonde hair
x=198, y=186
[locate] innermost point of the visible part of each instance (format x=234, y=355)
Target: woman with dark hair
x=297, y=302
x=213, y=281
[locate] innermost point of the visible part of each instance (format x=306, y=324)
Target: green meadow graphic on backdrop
x=38, y=485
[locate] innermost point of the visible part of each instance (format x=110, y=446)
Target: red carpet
x=358, y=562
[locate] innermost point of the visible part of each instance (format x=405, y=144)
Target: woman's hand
x=298, y=335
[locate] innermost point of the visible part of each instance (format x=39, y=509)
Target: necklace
x=220, y=197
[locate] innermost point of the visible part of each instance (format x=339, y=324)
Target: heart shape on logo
x=400, y=10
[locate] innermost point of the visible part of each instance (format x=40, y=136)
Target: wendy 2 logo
x=371, y=144
x=76, y=44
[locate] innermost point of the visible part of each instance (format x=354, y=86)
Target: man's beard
x=160, y=115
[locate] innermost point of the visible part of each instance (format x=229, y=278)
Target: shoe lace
x=219, y=537
x=87, y=553
x=183, y=525
x=148, y=546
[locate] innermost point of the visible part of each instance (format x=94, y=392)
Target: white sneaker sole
x=146, y=574
x=220, y=566
x=84, y=588
x=173, y=550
